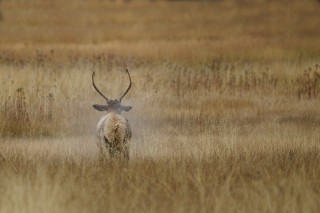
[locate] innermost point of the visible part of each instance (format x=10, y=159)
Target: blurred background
x=183, y=30
x=224, y=49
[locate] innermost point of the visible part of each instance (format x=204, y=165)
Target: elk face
x=112, y=105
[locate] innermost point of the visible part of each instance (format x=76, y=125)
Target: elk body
x=113, y=129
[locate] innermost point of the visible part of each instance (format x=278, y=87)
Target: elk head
x=112, y=105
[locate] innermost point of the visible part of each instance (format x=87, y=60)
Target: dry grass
x=204, y=140
x=225, y=112
x=157, y=30
x=224, y=172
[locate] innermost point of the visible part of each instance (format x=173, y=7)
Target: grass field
x=225, y=100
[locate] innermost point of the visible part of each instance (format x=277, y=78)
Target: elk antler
x=128, y=87
x=97, y=88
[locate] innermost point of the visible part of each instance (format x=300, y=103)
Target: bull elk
x=113, y=129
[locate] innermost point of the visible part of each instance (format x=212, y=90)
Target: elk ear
x=100, y=107
x=126, y=108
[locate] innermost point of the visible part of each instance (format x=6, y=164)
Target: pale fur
x=114, y=133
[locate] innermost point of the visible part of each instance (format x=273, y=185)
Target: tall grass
x=217, y=136
x=46, y=96
x=231, y=172
x=225, y=100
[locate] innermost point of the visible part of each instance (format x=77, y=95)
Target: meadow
x=225, y=100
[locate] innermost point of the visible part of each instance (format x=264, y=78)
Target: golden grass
x=225, y=100
x=225, y=172
x=48, y=97
x=157, y=30
x=203, y=139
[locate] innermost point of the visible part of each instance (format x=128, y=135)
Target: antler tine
x=128, y=87
x=94, y=85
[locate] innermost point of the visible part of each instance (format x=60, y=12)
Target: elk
x=113, y=129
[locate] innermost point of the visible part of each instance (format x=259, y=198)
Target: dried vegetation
x=222, y=120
